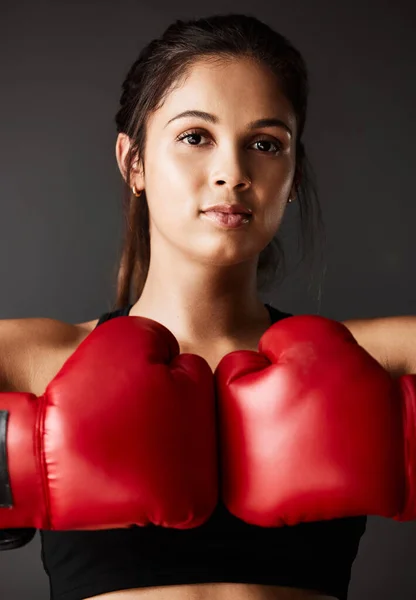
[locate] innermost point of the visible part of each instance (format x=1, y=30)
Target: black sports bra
x=315, y=556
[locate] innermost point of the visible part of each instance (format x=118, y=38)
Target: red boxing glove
x=124, y=434
x=313, y=428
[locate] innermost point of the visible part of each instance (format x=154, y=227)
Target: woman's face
x=193, y=162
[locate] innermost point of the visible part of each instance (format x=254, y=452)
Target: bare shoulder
x=390, y=340
x=33, y=349
x=366, y=332
x=87, y=326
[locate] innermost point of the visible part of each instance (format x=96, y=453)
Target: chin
x=222, y=259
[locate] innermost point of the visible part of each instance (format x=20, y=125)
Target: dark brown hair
x=161, y=65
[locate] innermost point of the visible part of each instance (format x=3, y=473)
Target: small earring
x=134, y=190
x=289, y=201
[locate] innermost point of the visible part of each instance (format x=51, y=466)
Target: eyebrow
x=270, y=122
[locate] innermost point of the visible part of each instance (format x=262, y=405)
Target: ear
x=122, y=148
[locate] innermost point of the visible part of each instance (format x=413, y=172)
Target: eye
x=188, y=135
x=195, y=134
x=276, y=144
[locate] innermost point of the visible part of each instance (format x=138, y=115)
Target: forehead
x=238, y=89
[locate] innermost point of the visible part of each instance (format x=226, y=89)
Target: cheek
x=173, y=206
x=275, y=197
x=171, y=179
x=274, y=209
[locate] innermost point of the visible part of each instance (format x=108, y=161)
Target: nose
x=230, y=172
x=233, y=183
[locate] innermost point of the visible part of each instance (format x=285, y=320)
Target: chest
x=42, y=366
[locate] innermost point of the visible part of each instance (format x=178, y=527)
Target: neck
x=203, y=302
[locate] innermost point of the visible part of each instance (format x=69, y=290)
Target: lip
x=228, y=209
x=227, y=220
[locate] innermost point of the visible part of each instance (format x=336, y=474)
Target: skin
x=202, y=279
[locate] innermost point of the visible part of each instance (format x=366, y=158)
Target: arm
x=10, y=539
x=23, y=345
x=390, y=340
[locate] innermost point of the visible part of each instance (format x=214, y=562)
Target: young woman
x=210, y=148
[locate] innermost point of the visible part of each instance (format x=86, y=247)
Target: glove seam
x=39, y=433
x=410, y=435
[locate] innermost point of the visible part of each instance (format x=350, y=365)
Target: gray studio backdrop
x=62, y=66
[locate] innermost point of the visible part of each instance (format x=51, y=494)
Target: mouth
x=227, y=220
